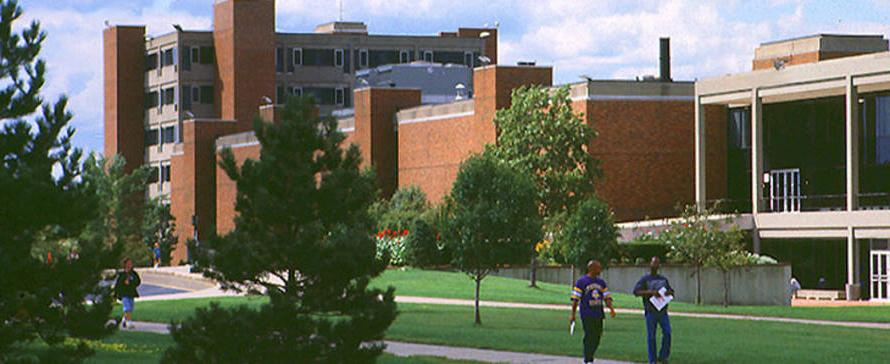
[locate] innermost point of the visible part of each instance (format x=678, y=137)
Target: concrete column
x=852, y=294
x=756, y=151
x=852, y=113
x=755, y=241
x=700, y=156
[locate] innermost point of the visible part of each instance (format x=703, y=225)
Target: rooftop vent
x=340, y=27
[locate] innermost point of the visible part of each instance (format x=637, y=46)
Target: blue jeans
x=654, y=319
x=128, y=303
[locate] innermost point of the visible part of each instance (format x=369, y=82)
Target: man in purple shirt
x=590, y=291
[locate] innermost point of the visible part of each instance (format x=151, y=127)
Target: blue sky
x=602, y=39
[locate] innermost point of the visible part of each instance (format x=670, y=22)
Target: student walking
x=648, y=286
x=156, y=252
x=125, y=289
x=590, y=292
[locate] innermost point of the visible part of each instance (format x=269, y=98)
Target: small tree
x=541, y=136
x=39, y=300
x=399, y=212
x=303, y=235
x=589, y=233
x=492, y=218
x=159, y=226
x=118, y=217
x=424, y=245
x=700, y=239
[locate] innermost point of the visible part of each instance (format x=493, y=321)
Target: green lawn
x=415, y=282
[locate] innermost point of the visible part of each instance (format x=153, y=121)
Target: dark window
x=151, y=137
x=428, y=56
x=363, y=58
x=279, y=60
x=347, y=61
x=153, y=177
x=379, y=58
x=168, y=135
x=448, y=57
x=151, y=99
x=295, y=91
x=196, y=94
x=168, y=57
x=404, y=57
x=298, y=57
x=468, y=59
x=196, y=55
x=280, y=96
x=740, y=128
x=882, y=129
x=318, y=57
x=165, y=173
x=186, y=97
x=207, y=56
x=339, y=97
x=338, y=57
x=322, y=95
x=206, y=94
x=289, y=61
x=186, y=58
x=168, y=95
x=151, y=61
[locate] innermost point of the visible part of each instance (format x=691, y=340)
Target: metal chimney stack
x=665, y=60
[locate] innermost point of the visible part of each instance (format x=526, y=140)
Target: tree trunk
x=478, y=283
x=698, y=300
x=533, y=276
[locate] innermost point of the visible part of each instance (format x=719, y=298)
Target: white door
x=880, y=275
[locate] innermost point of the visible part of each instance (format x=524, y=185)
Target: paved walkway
x=460, y=302
x=398, y=348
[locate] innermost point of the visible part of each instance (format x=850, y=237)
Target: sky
x=599, y=39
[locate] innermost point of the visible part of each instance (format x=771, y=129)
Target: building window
x=151, y=137
x=153, y=177
x=468, y=59
x=363, y=58
x=280, y=96
x=196, y=55
x=296, y=91
x=168, y=135
x=882, y=130
x=165, y=173
x=338, y=58
x=168, y=96
x=168, y=57
x=298, y=56
x=186, y=97
x=322, y=95
x=151, y=99
x=151, y=61
x=428, y=56
x=279, y=59
x=206, y=94
x=404, y=57
x=740, y=128
x=196, y=94
x=207, y=55
x=318, y=57
x=339, y=96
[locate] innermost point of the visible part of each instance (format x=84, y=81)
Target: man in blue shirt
x=590, y=292
x=646, y=287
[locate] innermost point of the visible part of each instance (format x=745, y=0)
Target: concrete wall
x=749, y=286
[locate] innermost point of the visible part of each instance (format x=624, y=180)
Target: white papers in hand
x=572, y=329
x=661, y=299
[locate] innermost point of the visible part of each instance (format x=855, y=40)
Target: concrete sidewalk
x=460, y=302
x=398, y=348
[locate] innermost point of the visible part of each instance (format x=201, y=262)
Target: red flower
x=405, y=233
x=438, y=236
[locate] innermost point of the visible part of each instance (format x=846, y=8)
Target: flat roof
x=823, y=35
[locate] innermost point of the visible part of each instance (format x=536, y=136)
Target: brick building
x=173, y=101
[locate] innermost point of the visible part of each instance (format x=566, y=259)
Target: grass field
x=415, y=282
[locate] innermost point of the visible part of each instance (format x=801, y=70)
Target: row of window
x=190, y=55
x=338, y=96
x=166, y=135
x=167, y=96
x=287, y=59
x=160, y=174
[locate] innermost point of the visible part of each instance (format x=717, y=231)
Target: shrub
x=399, y=212
x=589, y=233
x=424, y=246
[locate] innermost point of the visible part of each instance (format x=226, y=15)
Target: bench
x=821, y=294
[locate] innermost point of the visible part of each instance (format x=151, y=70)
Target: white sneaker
x=131, y=326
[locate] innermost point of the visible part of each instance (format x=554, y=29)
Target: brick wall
x=124, y=79
x=227, y=190
x=430, y=153
x=803, y=58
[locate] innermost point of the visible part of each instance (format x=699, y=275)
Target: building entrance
x=880, y=276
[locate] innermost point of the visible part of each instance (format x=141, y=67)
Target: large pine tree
x=41, y=299
x=304, y=238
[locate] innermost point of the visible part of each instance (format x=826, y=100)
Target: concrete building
x=807, y=156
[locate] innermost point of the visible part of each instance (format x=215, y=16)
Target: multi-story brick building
x=173, y=101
